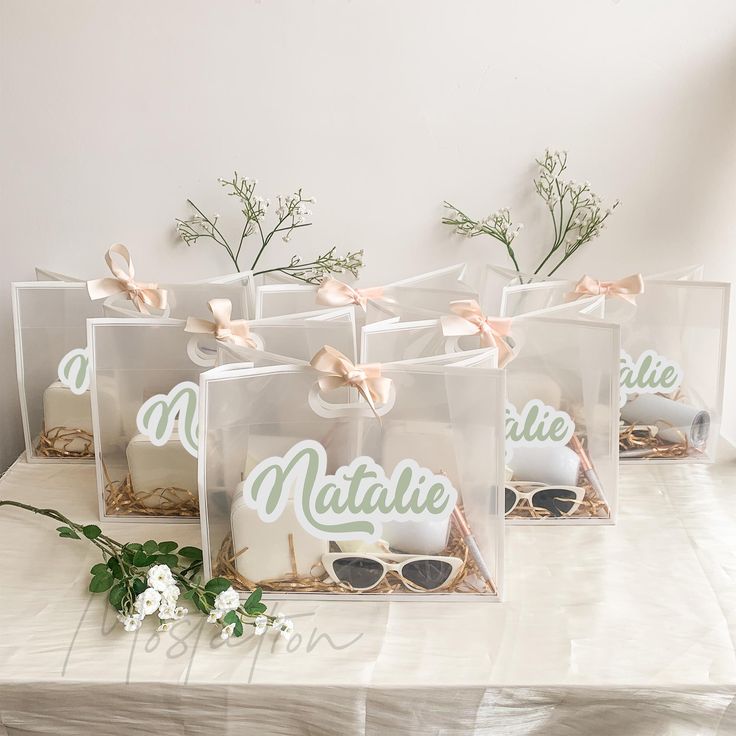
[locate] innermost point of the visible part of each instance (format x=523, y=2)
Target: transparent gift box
x=145, y=395
x=49, y=319
x=303, y=484
x=562, y=410
x=672, y=362
x=419, y=296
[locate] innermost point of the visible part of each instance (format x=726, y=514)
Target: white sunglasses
x=363, y=571
x=555, y=500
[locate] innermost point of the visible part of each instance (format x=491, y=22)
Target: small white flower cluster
x=159, y=597
x=498, y=224
x=293, y=206
x=229, y=600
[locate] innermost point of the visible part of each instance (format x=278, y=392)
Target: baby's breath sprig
x=312, y=272
x=577, y=214
x=291, y=212
x=150, y=579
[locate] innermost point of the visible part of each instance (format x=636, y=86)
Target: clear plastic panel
x=145, y=389
x=52, y=364
x=673, y=342
x=672, y=370
x=296, y=338
x=190, y=300
x=693, y=272
x=447, y=420
x=563, y=407
x=493, y=279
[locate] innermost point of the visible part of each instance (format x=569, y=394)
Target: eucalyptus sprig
x=577, y=214
x=291, y=213
x=151, y=578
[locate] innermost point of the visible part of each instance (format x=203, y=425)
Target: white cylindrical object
x=674, y=420
x=417, y=537
x=551, y=464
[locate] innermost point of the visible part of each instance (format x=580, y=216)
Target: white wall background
x=113, y=113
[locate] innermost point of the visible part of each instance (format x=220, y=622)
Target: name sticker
x=537, y=424
x=73, y=370
x=352, y=503
x=650, y=373
x=158, y=416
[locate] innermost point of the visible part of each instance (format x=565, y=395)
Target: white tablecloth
x=625, y=630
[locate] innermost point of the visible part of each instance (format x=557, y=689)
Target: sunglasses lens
x=427, y=573
x=358, y=572
x=557, y=501
x=510, y=499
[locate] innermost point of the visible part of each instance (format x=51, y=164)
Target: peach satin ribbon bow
x=468, y=319
x=334, y=293
x=626, y=288
x=141, y=294
x=223, y=328
x=338, y=371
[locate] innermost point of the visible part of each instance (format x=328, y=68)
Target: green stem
x=223, y=242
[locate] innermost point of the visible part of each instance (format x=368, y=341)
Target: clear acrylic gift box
x=145, y=394
x=562, y=410
x=672, y=363
x=303, y=492
x=420, y=296
x=49, y=320
x=190, y=299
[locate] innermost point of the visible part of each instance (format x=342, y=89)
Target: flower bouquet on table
x=155, y=580
x=673, y=348
x=145, y=392
x=334, y=479
x=561, y=413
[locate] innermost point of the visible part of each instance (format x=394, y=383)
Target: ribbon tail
x=102, y=288
x=365, y=392
x=200, y=326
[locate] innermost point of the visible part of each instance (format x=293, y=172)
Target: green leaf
x=115, y=569
x=134, y=546
x=191, y=553
x=253, y=598
x=140, y=558
x=101, y=583
x=67, y=532
x=189, y=594
x=91, y=531
x=230, y=617
x=150, y=547
x=238, y=630
x=255, y=609
x=201, y=605
x=170, y=560
x=138, y=585
x=217, y=585
x=150, y=560
x=167, y=547
x=99, y=568
x=117, y=593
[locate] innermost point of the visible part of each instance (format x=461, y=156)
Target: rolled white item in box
x=526, y=385
x=64, y=409
x=262, y=550
x=674, y=420
x=551, y=464
x=168, y=466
